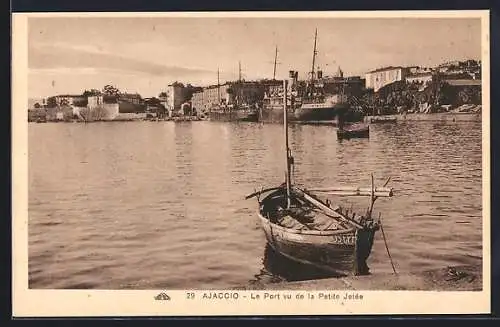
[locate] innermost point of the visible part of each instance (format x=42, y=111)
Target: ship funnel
x=293, y=76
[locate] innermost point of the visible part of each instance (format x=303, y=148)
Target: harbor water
x=160, y=205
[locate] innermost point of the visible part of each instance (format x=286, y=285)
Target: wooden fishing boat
x=354, y=131
x=304, y=228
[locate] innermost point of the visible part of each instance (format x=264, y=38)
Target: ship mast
x=275, y=58
x=314, y=55
x=218, y=86
x=239, y=71
x=238, y=93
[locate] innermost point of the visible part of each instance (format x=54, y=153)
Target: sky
x=145, y=54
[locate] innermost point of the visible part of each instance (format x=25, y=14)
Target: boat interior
x=301, y=215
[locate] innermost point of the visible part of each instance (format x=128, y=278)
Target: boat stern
x=363, y=248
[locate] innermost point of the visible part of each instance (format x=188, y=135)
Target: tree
x=92, y=92
x=465, y=96
x=110, y=94
x=110, y=90
x=37, y=105
x=51, y=102
x=163, y=95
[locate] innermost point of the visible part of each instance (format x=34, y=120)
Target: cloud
x=64, y=56
x=64, y=71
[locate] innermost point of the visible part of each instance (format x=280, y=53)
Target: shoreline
x=442, y=116
x=176, y=119
x=452, y=278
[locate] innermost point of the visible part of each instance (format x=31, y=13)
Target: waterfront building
x=214, y=95
x=241, y=93
x=176, y=96
x=245, y=93
x=186, y=109
x=59, y=113
x=381, y=77
x=421, y=78
x=197, y=101
x=133, y=98
x=94, y=101
x=37, y=114
x=70, y=99
x=353, y=86
x=130, y=103
x=163, y=97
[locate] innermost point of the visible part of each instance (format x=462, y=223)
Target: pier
x=445, y=116
x=457, y=278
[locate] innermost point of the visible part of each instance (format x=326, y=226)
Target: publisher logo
x=162, y=297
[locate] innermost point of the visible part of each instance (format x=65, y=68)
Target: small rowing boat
x=353, y=131
x=382, y=119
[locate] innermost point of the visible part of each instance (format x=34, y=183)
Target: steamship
x=308, y=100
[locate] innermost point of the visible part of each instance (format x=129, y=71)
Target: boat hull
x=319, y=112
x=274, y=114
x=363, y=132
x=306, y=114
x=376, y=120
x=228, y=116
x=339, y=252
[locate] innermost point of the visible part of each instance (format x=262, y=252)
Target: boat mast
x=275, y=58
x=287, y=149
x=314, y=56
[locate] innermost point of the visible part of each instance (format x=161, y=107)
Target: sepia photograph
x=249, y=159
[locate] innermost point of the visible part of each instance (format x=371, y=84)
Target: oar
x=325, y=208
x=386, y=246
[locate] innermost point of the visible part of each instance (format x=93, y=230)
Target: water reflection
x=163, y=206
x=277, y=268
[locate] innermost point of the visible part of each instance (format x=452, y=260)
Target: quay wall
x=457, y=278
x=452, y=117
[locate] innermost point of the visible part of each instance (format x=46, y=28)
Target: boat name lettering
x=344, y=239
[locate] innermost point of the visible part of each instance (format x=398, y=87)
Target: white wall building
x=175, y=98
x=108, y=111
x=94, y=101
x=420, y=78
x=379, y=78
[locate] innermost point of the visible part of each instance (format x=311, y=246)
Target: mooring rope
x=386, y=246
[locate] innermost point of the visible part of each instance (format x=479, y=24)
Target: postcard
x=250, y=163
